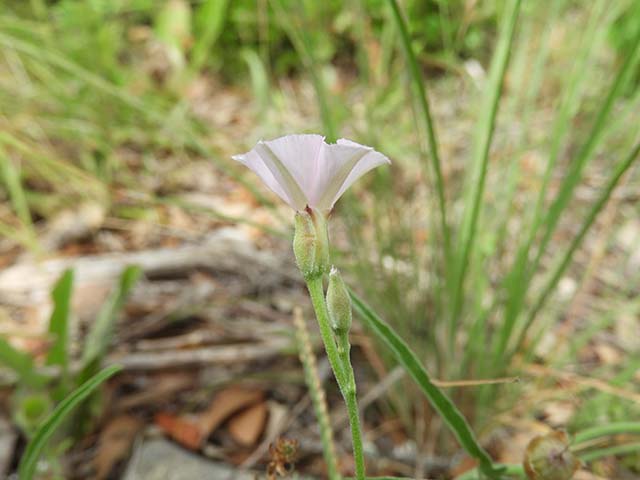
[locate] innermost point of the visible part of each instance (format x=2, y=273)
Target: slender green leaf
x=518, y=279
x=99, y=336
x=423, y=103
x=304, y=47
x=259, y=78
x=484, y=136
x=20, y=362
x=617, y=428
x=587, y=150
x=209, y=19
x=152, y=112
x=11, y=177
x=59, y=322
x=172, y=26
x=595, y=210
x=624, y=449
x=443, y=405
x=28, y=462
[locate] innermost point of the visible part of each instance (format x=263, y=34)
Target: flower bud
x=305, y=243
x=548, y=458
x=322, y=238
x=338, y=303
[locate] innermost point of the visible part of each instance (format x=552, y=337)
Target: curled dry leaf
x=247, y=426
x=192, y=431
x=184, y=430
x=225, y=404
x=114, y=444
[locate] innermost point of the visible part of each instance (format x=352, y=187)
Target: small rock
x=158, y=459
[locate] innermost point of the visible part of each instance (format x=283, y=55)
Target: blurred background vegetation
x=107, y=101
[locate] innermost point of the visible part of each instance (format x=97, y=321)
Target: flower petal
x=370, y=161
x=294, y=162
x=344, y=163
x=254, y=162
x=304, y=170
x=336, y=162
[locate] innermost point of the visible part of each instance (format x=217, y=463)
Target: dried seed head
x=548, y=458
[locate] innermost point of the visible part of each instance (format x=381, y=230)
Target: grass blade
x=11, y=179
x=423, y=102
x=600, y=203
x=484, y=136
x=20, y=362
x=518, y=279
x=209, y=23
x=59, y=322
x=100, y=334
x=152, y=112
x=28, y=463
x=615, y=450
x=586, y=152
x=617, y=428
x=443, y=405
x=302, y=43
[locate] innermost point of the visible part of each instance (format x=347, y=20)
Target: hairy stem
x=341, y=369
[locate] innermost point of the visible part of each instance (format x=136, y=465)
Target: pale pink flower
x=304, y=171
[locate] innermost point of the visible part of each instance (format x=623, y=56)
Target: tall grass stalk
x=417, y=82
x=586, y=152
x=577, y=240
x=147, y=110
x=304, y=47
x=519, y=277
x=484, y=136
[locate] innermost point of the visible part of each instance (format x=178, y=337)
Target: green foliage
x=442, y=404
x=475, y=258
x=101, y=332
x=59, y=322
x=36, y=393
x=28, y=462
x=622, y=34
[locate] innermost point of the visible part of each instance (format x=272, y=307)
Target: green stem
x=341, y=369
x=351, y=401
x=314, y=285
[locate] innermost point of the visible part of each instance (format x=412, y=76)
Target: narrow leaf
x=587, y=150
x=483, y=140
x=11, y=178
x=28, y=463
x=209, y=19
x=423, y=104
x=303, y=45
x=99, y=336
x=59, y=321
x=617, y=428
x=20, y=362
x=597, y=207
x=443, y=405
